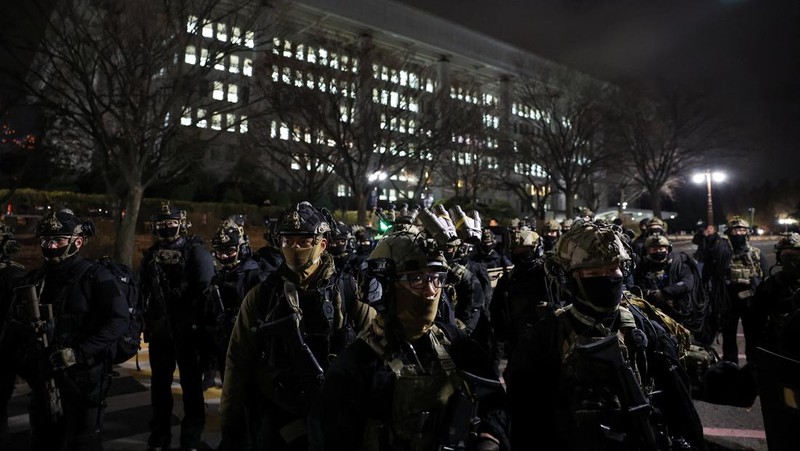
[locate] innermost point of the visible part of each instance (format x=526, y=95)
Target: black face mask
x=548, y=242
x=738, y=240
x=168, y=233
x=658, y=257
x=52, y=253
x=602, y=293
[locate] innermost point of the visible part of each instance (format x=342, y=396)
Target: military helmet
x=551, y=225
x=8, y=245
x=408, y=252
x=168, y=212
x=64, y=223
x=655, y=224
x=303, y=219
x=790, y=241
x=588, y=245
x=657, y=241
x=566, y=224
x=229, y=233
x=523, y=237
x=487, y=236
x=736, y=222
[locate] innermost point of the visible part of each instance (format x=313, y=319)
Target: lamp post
x=708, y=176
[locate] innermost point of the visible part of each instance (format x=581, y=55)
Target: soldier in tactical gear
x=776, y=306
x=175, y=275
x=743, y=275
x=551, y=230
x=67, y=362
x=607, y=375
x=269, y=257
x=403, y=385
x=237, y=272
x=288, y=329
x=671, y=282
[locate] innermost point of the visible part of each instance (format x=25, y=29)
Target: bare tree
x=570, y=128
x=341, y=109
x=138, y=78
x=664, y=135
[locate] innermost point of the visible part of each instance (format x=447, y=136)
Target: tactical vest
x=746, y=266
x=419, y=398
x=591, y=388
x=173, y=264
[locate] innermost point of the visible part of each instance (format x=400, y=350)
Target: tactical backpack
x=128, y=345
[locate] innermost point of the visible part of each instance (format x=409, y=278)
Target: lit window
x=309, y=80
x=394, y=78
x=276, y=44
x=403, y=78
x=201, y=118
x=298, y=78
x=191, y=55
x=222, y=32
x=311, y=57
x=191, y=24
x=243, y=125
x=233, y=93
x=323, y=57
x=429, y=85
x=219, y=63
x=275, y=73
x=413, y=106
x=321, y=84
x=208, y=30
x=273, y=130
x=287, y=75
x=234, y=67
x=249, y=39
x=334, y=61
x=230, y=121
x=203, y=57
x=247, y=69
x=219, y=91
x=284, y=132
x=236, y=35
x=341, y=190
x=216, y=122
x=295, y=165
x=287, y=49
x=186, y=118
x=394, y=99
x=300, y=52
x=413, y=81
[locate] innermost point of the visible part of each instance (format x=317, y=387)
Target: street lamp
x=708, y=176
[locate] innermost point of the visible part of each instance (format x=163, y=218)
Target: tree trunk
x=125, y=244
x=361, y=208
x=655, y=201
x=569, y=202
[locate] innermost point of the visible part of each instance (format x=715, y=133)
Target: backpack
x=128, y=345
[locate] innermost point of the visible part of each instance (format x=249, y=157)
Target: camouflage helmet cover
x=229, y=233
x=736, y=222
x=589, y=245
x=64, y=223
x=409, y=251
x=551, y=225
x=523, y=237
x=303, y=219
x=167, y=212
x=657, y=241
x=790, y=241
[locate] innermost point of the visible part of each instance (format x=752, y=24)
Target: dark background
x=744, y=56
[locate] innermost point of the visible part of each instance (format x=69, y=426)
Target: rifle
x=460, y=422
x=305, y=369
x=42, y=328
x=156, y=293
x=632, y=397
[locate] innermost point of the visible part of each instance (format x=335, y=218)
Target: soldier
x=566, y=224
x=269, y=257
x=288, y=329
x=671, y=282
x=66, y=356
x=637, y=244
x=551, y=230
x=743, y=274
x=608, y=377
x=237, y=273
x=175, y=274
x=776, y=306
x=403, y=385
x=11, y=273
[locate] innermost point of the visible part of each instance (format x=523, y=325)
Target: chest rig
x=419, y=398
x=746, y=265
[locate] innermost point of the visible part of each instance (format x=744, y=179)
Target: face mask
x=548, y=242
x=658, y=257
x=168, y=233
x=738, y=240
x=59, y=253
x=601, y=294
x=415, y=313
x=302, y=261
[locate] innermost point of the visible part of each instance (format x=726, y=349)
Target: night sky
x=744, y=55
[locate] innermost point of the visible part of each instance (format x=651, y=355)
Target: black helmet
x=8, y=245
x=64, y=223
x=230, y=235
x=303, y=219
x=167, y=213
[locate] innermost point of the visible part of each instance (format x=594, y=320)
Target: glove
x=438, y=224
x=62, y=359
